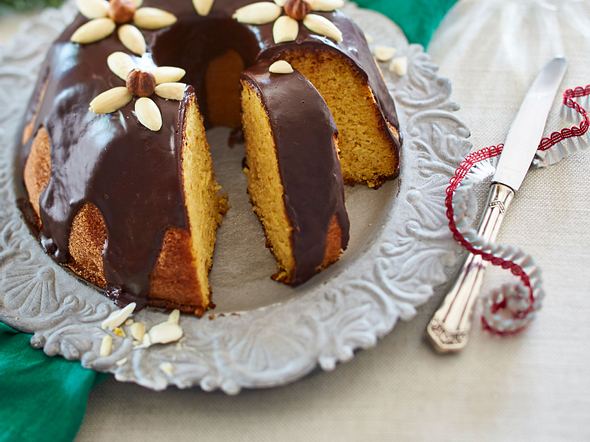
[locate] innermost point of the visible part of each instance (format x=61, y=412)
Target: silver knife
x=449, y=328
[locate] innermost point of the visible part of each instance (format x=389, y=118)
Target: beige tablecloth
x=532, y=387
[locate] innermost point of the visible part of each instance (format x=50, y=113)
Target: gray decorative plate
x=262, y=334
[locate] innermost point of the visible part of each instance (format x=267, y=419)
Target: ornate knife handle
x=449, y=328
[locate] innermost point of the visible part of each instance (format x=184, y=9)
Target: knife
x=448, y=330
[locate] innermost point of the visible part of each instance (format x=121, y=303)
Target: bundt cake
x=115, y=161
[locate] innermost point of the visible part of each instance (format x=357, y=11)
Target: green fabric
x=417, y=18
x=41, y=398
x=44, y=398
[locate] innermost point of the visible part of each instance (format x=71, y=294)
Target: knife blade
x=449, y=328
x=528, y=126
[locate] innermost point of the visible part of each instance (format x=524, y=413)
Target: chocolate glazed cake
x=115, y=161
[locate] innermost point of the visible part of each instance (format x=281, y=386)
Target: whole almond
x=121, y=11
x=94, y=30
x=384, y=53
x=93, y=8
x=168, y=74
x=148, y=114
x=281, y=67
x=111, y=101
x=297, y=9
x=120, y=64
x=174, y=316
x=132, y=39
x=106, y=346
x=203, y=7
x=259, y=13
x=171, y=91
x=153, y=18
x=285, y=29
x=141, y=83
x=322, y=26
x=118, y=317
x=137, y=331
x=165, y=333
x=326, y=5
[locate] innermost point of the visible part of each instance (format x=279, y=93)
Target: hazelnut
x=297, y=9
x=141, y=83
x=121, y=11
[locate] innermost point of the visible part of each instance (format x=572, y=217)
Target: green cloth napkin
x=417, y=18
x=41, y=398
x=44, y=398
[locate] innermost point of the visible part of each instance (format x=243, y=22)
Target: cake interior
x=264, y=181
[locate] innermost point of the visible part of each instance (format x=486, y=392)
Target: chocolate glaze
x=313, y=198
x=132, y=174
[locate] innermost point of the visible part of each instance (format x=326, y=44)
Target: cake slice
x=294, y=177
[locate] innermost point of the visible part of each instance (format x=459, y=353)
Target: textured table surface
x=533, y=387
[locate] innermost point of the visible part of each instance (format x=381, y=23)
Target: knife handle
x=449, y=328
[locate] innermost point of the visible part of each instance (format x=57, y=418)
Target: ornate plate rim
x=352, y=311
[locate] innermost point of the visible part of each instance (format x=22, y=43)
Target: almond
x=322, y=26
x=285, y=29
x=148, y=114
x=165, y=333
x=118, y=317
x=153, y=18
x=259, y=13
x=94, y=30
x=168, y=74
x=384, y=53
x=281, y=3
x=132, y=39
x=203, y=7
x=174, y=316
x=120, y=64
x=399, y=66
x=141, y=83
x=93, y=8
x=171, y=91
x=106, y=346
x=137, y=331
x=297, y=9
x=281, y=67
x=326, y=5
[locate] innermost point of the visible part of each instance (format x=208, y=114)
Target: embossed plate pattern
x=358, y=302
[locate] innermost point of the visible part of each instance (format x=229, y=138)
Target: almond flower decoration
x=286, y=27
x=142, y=83
x=106, y=15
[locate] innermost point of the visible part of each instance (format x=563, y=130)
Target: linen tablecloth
x=532, y=387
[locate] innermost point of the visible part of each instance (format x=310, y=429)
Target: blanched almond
x=106, y=346
x=168, y=74
x=111, y=100
x=281, y=67
x=384, y=53
x=281, y=3
x=165, y=333
x=285, y=29
x=120, y=64
x=203, y=7
x=325, y=5
x=148, y=114
x=174, y=316
x=137, y=331
x=259, y=13
x=94, y=30
x=132, y=39
x=153, y=18
x=93, y=8
x=322, y=26
x=171, y=91
x=118, y=317
x=399, y=66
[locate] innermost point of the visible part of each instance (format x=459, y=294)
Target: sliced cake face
x=294, y=176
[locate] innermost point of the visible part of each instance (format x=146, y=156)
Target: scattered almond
x=399, y=66
x=203, y=7
x=106, y=346
x=384, y=53
x=118, y=317
x=171, y=91
x=137, y=331
x=153, y=18
x=326, y=5
x=120, y=64
x=174, y=317
x=93, y=8
x=165, y=333
x=168, y=74
x=281, y=67
x=259, y=13
x=129, y=322
x=369, y=38
x=285, y=29
x=94, y=30
x=132, y=39
x=322, y=26
x=148, y=114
